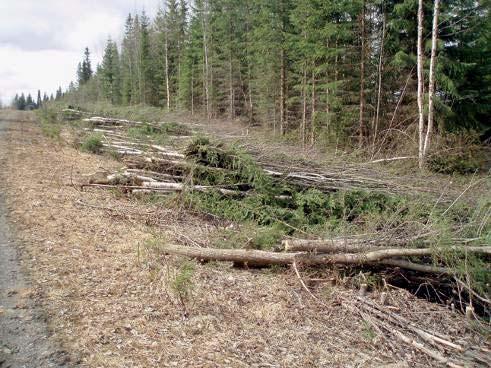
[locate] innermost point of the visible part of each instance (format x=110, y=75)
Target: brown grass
x=108, y=296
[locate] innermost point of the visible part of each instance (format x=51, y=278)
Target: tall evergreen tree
x=39, y=101
x=146, y=63
x=29, y=102
x=110, y=73
x=21, y=102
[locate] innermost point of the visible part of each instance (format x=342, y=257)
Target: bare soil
x=108, y=297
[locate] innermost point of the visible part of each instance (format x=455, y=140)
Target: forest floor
x=111, y=300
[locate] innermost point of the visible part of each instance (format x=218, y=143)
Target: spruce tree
x=21, y=102
x=109, y=73
x=39, y=101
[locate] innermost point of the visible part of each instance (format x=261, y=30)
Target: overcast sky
x=42, y=41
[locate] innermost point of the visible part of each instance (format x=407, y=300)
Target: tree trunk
x=192, y=89
x=283, y=117
x=230, y=87
x=167, y=86
x=259, y=257
x=328, y=110
x=304, y=106
x=312, y=115
x=282, y=92
x=206, y=66
x=431, y=87
x=379, y=91
x=420, y=83
x=362, y=76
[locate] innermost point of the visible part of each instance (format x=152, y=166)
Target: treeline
x=21, y=102
x=341, y=71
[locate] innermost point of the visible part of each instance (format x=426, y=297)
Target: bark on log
x=336, y=245
x=340, y=245
x=407, y=265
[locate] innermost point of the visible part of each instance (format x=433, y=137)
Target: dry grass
x=108, y=296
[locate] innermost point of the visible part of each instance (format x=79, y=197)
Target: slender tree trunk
x=362, y=76
x=192, y=90
x=282, y=93
x=420, y=83
x=380, y=70
x=328, y=110
x=231, y=87
x=282, y=74
x=179, y=79
x=431, y=87
x=304, y=105
x=249, y=72
x=206, y=69
x=167, y=87
x=312, y=114
x=249, y=89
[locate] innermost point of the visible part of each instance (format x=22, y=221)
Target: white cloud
x=41, y=42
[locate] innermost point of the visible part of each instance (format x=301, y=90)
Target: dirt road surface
x=24, y=335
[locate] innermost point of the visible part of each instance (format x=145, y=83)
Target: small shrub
x=175, y=129
x=457, y=153
x=182, y=284
x=51, y=130
x=49, y=123
x=144, y=131
x=461, y=163
x=249, y=236
x=92, y=144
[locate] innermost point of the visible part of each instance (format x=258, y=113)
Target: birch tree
x=420, y=73
x=431, y=86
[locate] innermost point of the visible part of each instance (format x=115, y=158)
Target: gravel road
x=24, y=335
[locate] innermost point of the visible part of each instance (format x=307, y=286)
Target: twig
x=294, y=266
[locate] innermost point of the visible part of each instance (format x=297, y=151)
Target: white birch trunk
x=431, y=87
x=420, y=83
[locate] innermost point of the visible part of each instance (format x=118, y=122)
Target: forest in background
x=343, y=72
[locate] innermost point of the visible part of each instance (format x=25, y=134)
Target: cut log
x=180, y=187
x=155, y=175
x=407, y=265
x=258, y=257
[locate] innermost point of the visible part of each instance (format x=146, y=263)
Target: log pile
x=103, y=121
x=148, y=156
